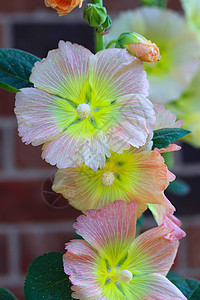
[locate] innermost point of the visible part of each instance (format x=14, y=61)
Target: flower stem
x=98, y=37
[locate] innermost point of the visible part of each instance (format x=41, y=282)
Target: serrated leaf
x=163, y=137
x=188, y=286
x=46, y=279
x=6, y=295
x=15, y=69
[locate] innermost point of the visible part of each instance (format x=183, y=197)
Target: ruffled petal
x=163, y=214
x=80, y=263
x=72, y=149
x=42, y=117
x=153, y=287
x=110, y=230
x=165, y=118
x=135, y=121
x=151, y=252
x=64, y=72
x=115, y=73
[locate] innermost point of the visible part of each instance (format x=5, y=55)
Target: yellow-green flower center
x=107, y=178
x=115, y=275
x=83, y=110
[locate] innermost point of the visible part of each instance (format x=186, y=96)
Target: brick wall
x=33, y=220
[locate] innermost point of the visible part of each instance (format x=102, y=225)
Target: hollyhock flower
x=82, y=105
x=178, y=46
x=188, y=109
x=135, y=175
x=63, y=7
x=110, y=264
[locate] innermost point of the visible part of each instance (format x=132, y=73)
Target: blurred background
x=34, y=220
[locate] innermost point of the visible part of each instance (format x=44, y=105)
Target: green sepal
x=164, y=137
x=46, y=279
x=15, y=69
x=179, y=187
x=94, y=14
x=159, y=3
x=6, y=295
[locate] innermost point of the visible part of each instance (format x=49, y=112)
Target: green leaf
x=46, y=279
x=6, y=295
x=188, y=286
x=163, y=137
x=179, y=187
x=15, y=69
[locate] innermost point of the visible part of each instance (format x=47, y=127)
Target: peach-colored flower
x=63, y=7
x=111, y=264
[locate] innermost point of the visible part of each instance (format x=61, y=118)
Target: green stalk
x=98, y=37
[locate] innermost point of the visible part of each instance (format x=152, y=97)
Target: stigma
x=83, y=110
x=108, y=178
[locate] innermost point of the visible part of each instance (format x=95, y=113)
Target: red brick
x=33, y=245
x=28, y=156
x=21, y=6
x=6, y=103
x=193, y=249
x=23, y=202
x=1, y=36
x=3, y=254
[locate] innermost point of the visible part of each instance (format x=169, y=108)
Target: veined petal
x=64, y=72
x=109, y=230
x=151, y=252
x=71, y=149
x=153, y=287
x=114, y=73
x=139, y=176
x=165, y=118
x=80, y=262
x=41, y=116
x=135, y=121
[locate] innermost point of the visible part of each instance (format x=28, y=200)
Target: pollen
x=107, y=178
x=125, y=276
x=83, y=110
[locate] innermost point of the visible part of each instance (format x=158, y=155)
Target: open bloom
x=63, y=7
x=178, y=46
x=82, y=105
x=135, y=175
x=109, y=264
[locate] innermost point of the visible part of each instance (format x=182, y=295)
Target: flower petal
x=110, y=230
x=41, y=116
x=165, y=118
x=153, y=287
x=64, y=72
x=114, y=73
x=151, y=252
x=80, y=263
x=135, y=121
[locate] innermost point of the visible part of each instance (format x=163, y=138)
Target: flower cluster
x=93, y=117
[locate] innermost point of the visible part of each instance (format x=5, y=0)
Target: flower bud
x=107, y=23
x=95, y=14
x=63, y=7
x=139, y=46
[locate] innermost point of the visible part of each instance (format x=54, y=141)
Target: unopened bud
x=139, y=46
x=95, y=14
